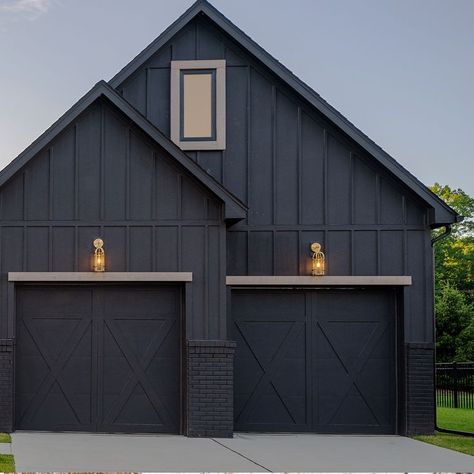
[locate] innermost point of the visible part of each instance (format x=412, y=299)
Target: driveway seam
x=241, y=455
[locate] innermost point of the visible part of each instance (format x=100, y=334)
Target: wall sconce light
x=318, y=267
x=99, y=256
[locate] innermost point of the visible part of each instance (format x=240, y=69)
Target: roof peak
x=443, y=213
x=234, y=208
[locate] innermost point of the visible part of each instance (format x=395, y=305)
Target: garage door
x=320, y=361
x=101, y=359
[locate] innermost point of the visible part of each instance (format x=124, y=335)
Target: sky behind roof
x=401, y=70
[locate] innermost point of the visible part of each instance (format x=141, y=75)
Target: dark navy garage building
x=208, y=170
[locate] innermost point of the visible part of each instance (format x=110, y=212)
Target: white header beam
x=318, y=280
x=103, y=276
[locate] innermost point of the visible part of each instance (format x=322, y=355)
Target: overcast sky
x=400, y=70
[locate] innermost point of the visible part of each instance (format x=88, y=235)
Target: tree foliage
x=454, y=278
x=454, y=314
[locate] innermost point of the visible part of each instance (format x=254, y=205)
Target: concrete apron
x=245, y=453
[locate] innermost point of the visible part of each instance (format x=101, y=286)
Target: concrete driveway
x=64, y=452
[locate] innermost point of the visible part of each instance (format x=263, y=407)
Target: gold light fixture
x=99, y=256
x=318, y=266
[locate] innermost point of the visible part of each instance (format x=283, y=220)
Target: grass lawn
x=5, y=438
x=463, y=444
x=7, y=463
x=459, y=419
x=455, y=419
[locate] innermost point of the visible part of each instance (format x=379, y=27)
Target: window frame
x=217, y=69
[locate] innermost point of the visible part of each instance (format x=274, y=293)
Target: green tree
x=454, y=255
x=454, y=314
x=462, y=203
x=454, y=281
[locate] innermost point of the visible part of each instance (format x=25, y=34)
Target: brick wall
x=210, y=388
x=6, y=385
x=420, y=388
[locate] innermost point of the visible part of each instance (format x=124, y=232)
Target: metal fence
x=455, y=385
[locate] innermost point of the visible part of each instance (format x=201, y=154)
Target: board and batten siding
x=301, y=177
x=103, y=177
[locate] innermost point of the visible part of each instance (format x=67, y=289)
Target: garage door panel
x=270, y=369
x=141, y=302
x=44, y=301
x=269, y=306
x=128, y=384
x=94, y=371
x=335, y=376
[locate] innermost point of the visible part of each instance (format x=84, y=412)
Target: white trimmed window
x=198, y=104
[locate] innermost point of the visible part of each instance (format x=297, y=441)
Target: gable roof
x=442, y=213
x=234, y=208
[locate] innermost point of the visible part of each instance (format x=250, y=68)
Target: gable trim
x=234, y=208
x=441, y=214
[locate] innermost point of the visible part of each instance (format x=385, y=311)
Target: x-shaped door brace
x=138, y=366
x=269, y=369
x=354, y=370
x=55, y=365
x=138, y=372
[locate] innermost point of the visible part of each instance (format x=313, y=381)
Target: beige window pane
x=197, y=105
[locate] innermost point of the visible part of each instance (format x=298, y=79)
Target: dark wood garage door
x=320, y=361
x=101, y=359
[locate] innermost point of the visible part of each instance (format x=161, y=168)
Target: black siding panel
x=311, y=172
x=260, y=253
x=63, y=245
x=338, y=182
x=89, y=169
x=286, y=163
x=158, y=97
x=261, y=159
x=63, y=176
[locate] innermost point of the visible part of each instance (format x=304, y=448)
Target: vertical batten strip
x=378, y=198
x=102, y=164
x=352, y=256
x=274, y=153
x=76, y=172
x=127, y=248
x=222, y=265
x=154, y=186
x=207, y=319
x=352, y=187
x=273, y=252
x=127, y=174
x=50, y=248
x=50, y=184
x=325, y=245
x=180, y=248
x=180, y=195
x=154, y=253
x=325, y=176
x=379, y=265
x=405, y=250
x=249, y=137
x=76, y=249
x=299, y=167
x=300, y=247
x=429, y=287
x=24, y=259
x=25, y=195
